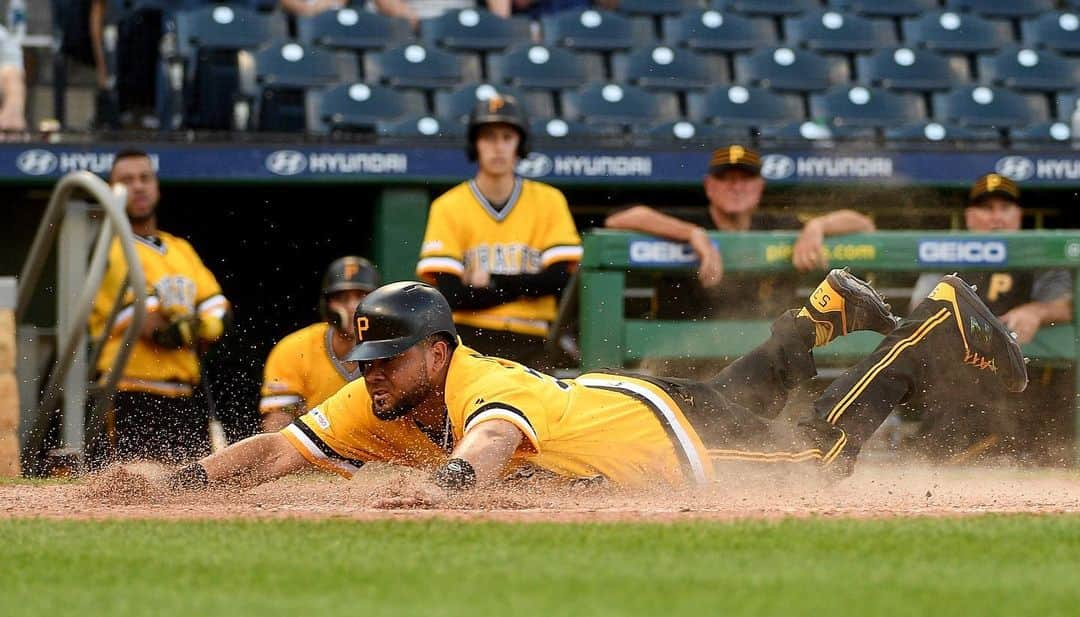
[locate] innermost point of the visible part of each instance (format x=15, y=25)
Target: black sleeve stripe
x=322, y=445
x=500, y=406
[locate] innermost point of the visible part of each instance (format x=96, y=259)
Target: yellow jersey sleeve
x=210, y=302
x=115, y=273
x=560, y=241
x=333, y=435
x=283, y=381
x=443, y=249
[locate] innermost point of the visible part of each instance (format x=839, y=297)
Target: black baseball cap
x=735, y=156
x=994, y=185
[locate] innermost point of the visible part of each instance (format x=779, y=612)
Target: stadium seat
x=668, y=68
x=713, y=31
x=786, y=68
x=1066, y=103
x=595, y=30
x=951, y=32
x=706, y=134
x=653, y=8
x=833, y=32
x=988, y=107
x=909, y=69
x=456, y=104
x=474, y=30
x=885, y=8
x=540, y=66
x=282, y=74
x=766, y=7
x=1002, y=8
x=862, y=106
x=414, y=126
x=743, y=106
x=816, y=132
x=349, y=28
x=555, y=129
x=614, y=104
x=1057, y=31
x=937, y=132
x=414, y=66
x=1042, y=134
x=1023, y=68
x=208, y=42
x=360, y=107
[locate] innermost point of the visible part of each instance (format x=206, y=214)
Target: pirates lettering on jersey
x=504, y=259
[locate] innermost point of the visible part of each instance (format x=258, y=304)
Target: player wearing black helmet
x=309, y=365
x=501, y=248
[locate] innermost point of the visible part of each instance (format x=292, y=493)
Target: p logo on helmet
x=351, y=269
x=361, y=327
x=495, y=103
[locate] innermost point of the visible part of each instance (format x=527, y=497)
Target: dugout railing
x=608, y=338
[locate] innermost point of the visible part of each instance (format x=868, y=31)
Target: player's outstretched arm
x=485, y=450
x=246, y=463
x=647, y=220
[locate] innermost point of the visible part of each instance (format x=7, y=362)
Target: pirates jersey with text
x=342, y=434
x=178, y=284
x=302, y=371
x=624, y=429
x=531, y=232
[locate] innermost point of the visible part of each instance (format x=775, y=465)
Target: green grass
x=1020, y=565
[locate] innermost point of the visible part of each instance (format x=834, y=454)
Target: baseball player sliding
x=428, y=401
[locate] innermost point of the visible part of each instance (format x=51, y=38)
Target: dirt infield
x=873, y=492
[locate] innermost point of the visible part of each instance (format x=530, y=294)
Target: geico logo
x=969, y=252
x=661, y=252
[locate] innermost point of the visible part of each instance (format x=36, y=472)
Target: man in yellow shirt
x=155, y=412
x=309, y=365
x=499, y=247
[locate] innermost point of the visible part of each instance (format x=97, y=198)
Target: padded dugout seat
x=989, y=107
x=542, y=66
x=595, y=30
x=951, y=32
x=474, y=30
x=361, y=107
x=834, y=32
x=1023, y=68
x=786, y=68
x=910, y=69
x=623, y=105
x=668, y=68
x=713, y=31
x=349, y=28
x=744, y=106
x=862, y=106
x=1057, y=31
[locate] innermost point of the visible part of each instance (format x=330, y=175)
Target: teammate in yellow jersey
x=156, y=414
x=309, y=365
x=499, y=247
x=425, y=396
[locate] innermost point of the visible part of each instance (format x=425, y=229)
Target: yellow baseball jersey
x=177, y=284
x=342, y=433
x=302, y=371
x=626, y=430
x=532, y=231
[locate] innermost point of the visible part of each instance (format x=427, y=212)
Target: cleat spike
x=1013, y=335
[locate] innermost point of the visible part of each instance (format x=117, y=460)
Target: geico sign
x=660, y=252
x=962, y=252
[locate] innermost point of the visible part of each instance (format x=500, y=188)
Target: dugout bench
x=609, y=339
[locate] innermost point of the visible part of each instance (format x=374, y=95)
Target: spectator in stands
x=537, y=8
x=156, y=414
x=733, y=186
x=499, y=247
x=989, y=419
x=415, y=10
x=12, y=84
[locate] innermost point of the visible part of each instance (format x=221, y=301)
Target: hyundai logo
x=1019, y=168
x=36, y=162
x=535, y=165
x=286, y=162
x=777, y=166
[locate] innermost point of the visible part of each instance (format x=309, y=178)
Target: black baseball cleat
x=988, y=344
x=844, y=303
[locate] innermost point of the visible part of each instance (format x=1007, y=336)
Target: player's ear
x=438, y=356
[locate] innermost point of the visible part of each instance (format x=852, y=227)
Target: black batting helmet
x=498, y=109
x=397, y=316
x=346, y=274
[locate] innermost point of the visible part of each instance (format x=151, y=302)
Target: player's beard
x=408, y=403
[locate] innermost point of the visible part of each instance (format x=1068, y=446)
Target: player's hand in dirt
x=126, y=483
x=1024, y=321
x=809, y=250
x=711, y=270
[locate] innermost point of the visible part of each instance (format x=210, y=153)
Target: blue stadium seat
x=209, y=41
x=414, y=66
x=614, y=104
x=1042, y=134
x=359, y=107
x=705, y=134
x=937, y=132
x=541, y=66
x=283, y=72
x=834, y=32
x=786, y=68
x=1002, y=8
x=555, y=129
x=862, y=106
x=1023, y=68
x=766, y=7
x=474, y=30
x=909, y=69
x=1057, y=31
x=1065, y=104
x=743, y=106
x=349, y=28
x=456, y=104
x=713, y=31
x=422, y=125
x=989, y=107
x=885, y=8
x=668, y=68
x=816, y=132
x=595, y=30
x=653, y=8
x=951, y=32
